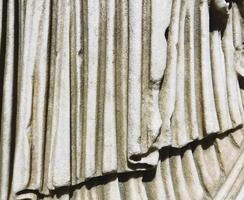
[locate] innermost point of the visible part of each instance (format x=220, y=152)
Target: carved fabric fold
x=102, y=85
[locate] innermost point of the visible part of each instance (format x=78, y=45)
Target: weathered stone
x=121, y=99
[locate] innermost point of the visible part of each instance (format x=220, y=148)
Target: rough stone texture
x=121, y=99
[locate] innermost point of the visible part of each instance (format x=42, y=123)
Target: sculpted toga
x=121, y=99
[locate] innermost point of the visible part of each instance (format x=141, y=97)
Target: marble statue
x=121, y=99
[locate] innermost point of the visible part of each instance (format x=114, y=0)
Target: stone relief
x=121, y=99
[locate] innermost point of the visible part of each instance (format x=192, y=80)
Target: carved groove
x=147, y=94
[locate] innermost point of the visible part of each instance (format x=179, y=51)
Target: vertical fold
x=79, y=51
x=109, y=126
x=40, y=63
x=155, y=185
x=121, y=82
x=74, y=93
x=93, y=8
x=134, y=77
x=167, y=94
x=197, y=71
x=111, y=189
x=191, y=176
x=209, y=110
x=166, y=175
x=178, y=120
x=178, y=176
x=22, y=157
x=145, y=76
x=231, y=76
x=7, y=95
x=203, y=171
x=101, y=84
x=190, y=84
x=160, y=20
x=134, y=189
x=219, y=81
x=60, y=147
x=211, y=159
x=78, y=68
x=49, y=134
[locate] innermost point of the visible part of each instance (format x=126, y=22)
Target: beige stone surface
x=121, y=99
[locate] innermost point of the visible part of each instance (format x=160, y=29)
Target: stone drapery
x=91, y=88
